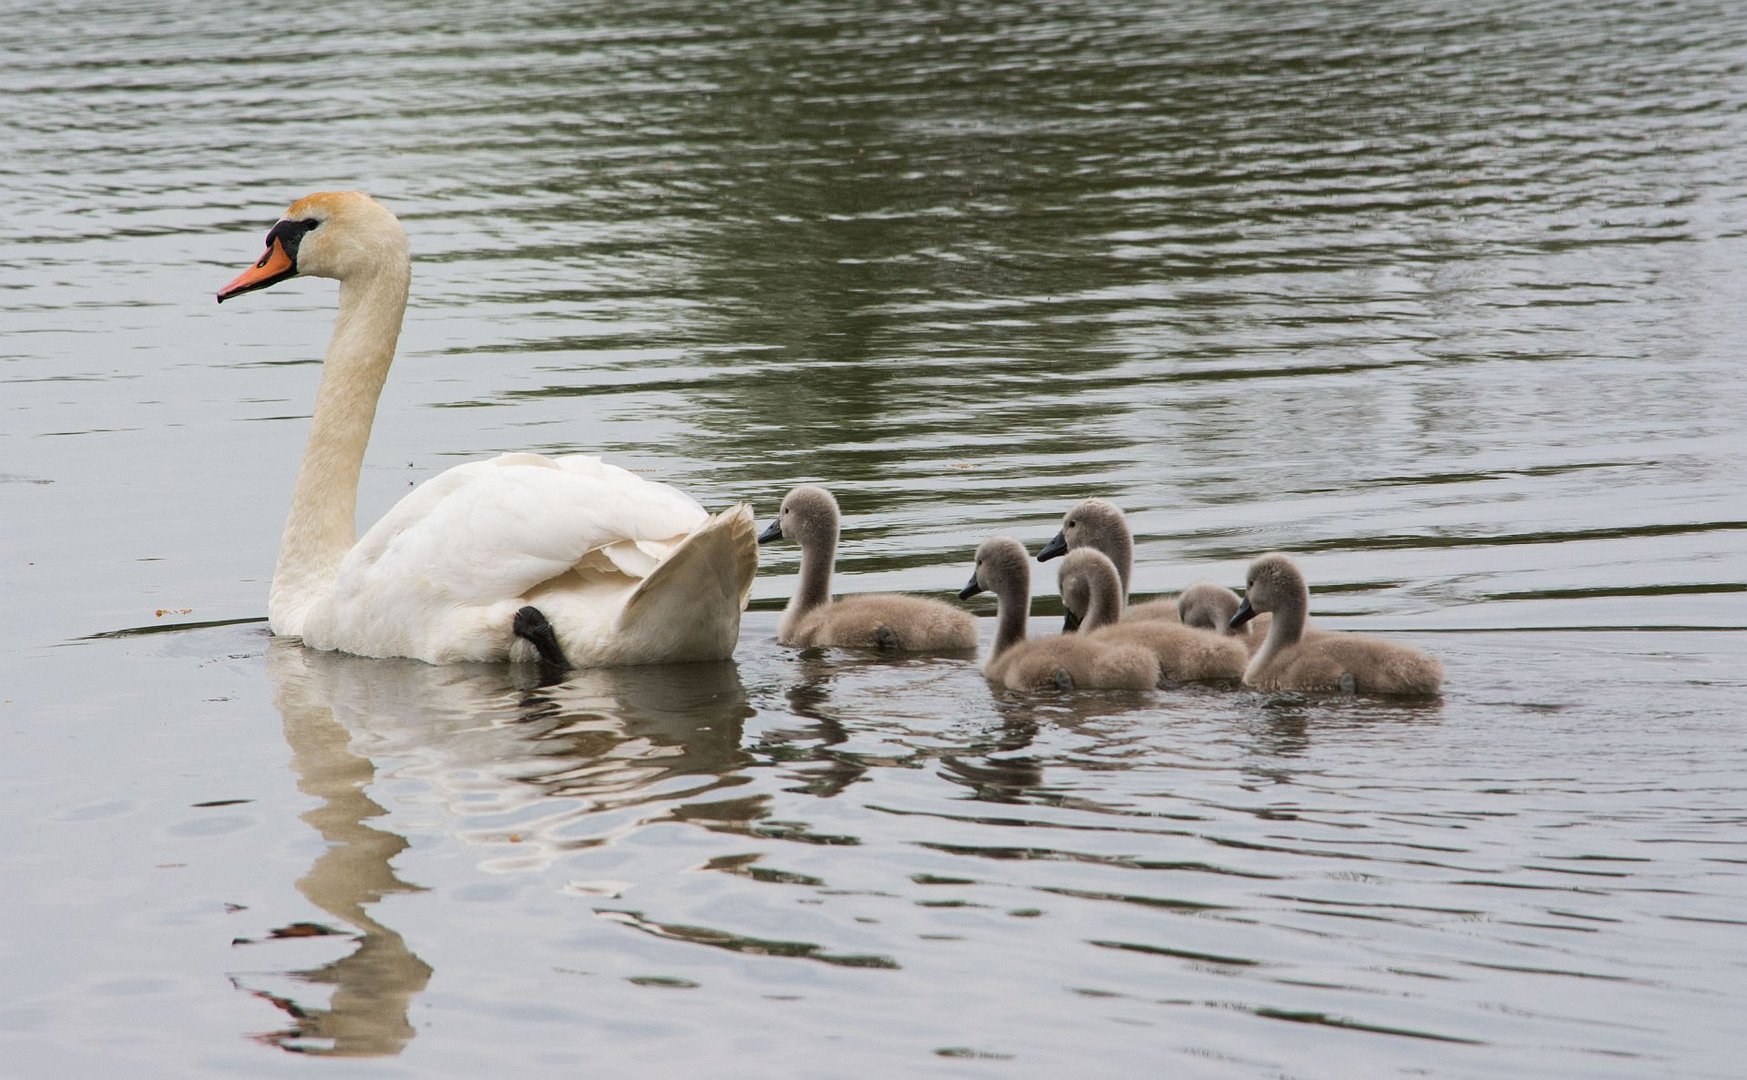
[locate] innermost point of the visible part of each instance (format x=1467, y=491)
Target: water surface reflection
x=519, y=763
x=372, y=987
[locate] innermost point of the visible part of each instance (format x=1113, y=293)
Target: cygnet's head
x=808, y=516
x=332, y=234
x=1273, y=582
x=1092, y=523
x=1207, y=606
x=1002, y=568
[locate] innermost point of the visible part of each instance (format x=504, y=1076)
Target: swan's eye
x=309, y=224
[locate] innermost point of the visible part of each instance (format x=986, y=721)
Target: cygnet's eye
x=1072, y=523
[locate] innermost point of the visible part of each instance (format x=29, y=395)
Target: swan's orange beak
x=275, y=265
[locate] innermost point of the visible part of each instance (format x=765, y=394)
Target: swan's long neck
x=818, y=557
x=322, y=524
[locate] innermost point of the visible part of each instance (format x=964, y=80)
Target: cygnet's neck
x=1103, y=601
x=322, y=523
x=1114, y=539
x=818, y=558
x=1287, y=627
x=1012, y=610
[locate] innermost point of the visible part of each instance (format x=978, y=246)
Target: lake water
x=1448, y=300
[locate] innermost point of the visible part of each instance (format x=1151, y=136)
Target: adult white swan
x=567, y=560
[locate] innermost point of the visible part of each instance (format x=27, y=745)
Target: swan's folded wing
x=634, y=556
x=492, y=530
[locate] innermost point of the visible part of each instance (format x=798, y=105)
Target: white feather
x=441, y=574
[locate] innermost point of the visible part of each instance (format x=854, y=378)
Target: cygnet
x=1207, y=605
x=889, y=621
x=1100, y=525
x=1326, y=660
x=1065, y=662
x=1184, y=653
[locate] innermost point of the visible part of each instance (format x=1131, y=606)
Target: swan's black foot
x=884, y=638
x=531, y=626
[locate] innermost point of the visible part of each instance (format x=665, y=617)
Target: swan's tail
x=689, y=607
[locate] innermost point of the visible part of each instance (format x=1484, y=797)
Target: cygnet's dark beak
x=1054, y=549
x=775, y=532
x=1070, y=621
x=970, y=589
x=1243, y=614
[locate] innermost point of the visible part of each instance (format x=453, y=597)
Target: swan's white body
x=626, y=571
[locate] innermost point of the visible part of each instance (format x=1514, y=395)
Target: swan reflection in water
x=488, y=739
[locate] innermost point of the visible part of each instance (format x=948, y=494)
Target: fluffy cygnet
x=891, y=621
x=1325, y=660
x=1184, y=653
x=1207, y=605
x=1066, y=662
x=1100, y=525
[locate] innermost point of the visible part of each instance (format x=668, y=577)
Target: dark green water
x=1448, y=301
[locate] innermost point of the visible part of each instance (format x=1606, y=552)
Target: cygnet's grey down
x=890, y=621
x=1065, y=662
x=1207, y=605
x=1327, y=660
x=1100, y=525
x=1093, y=598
